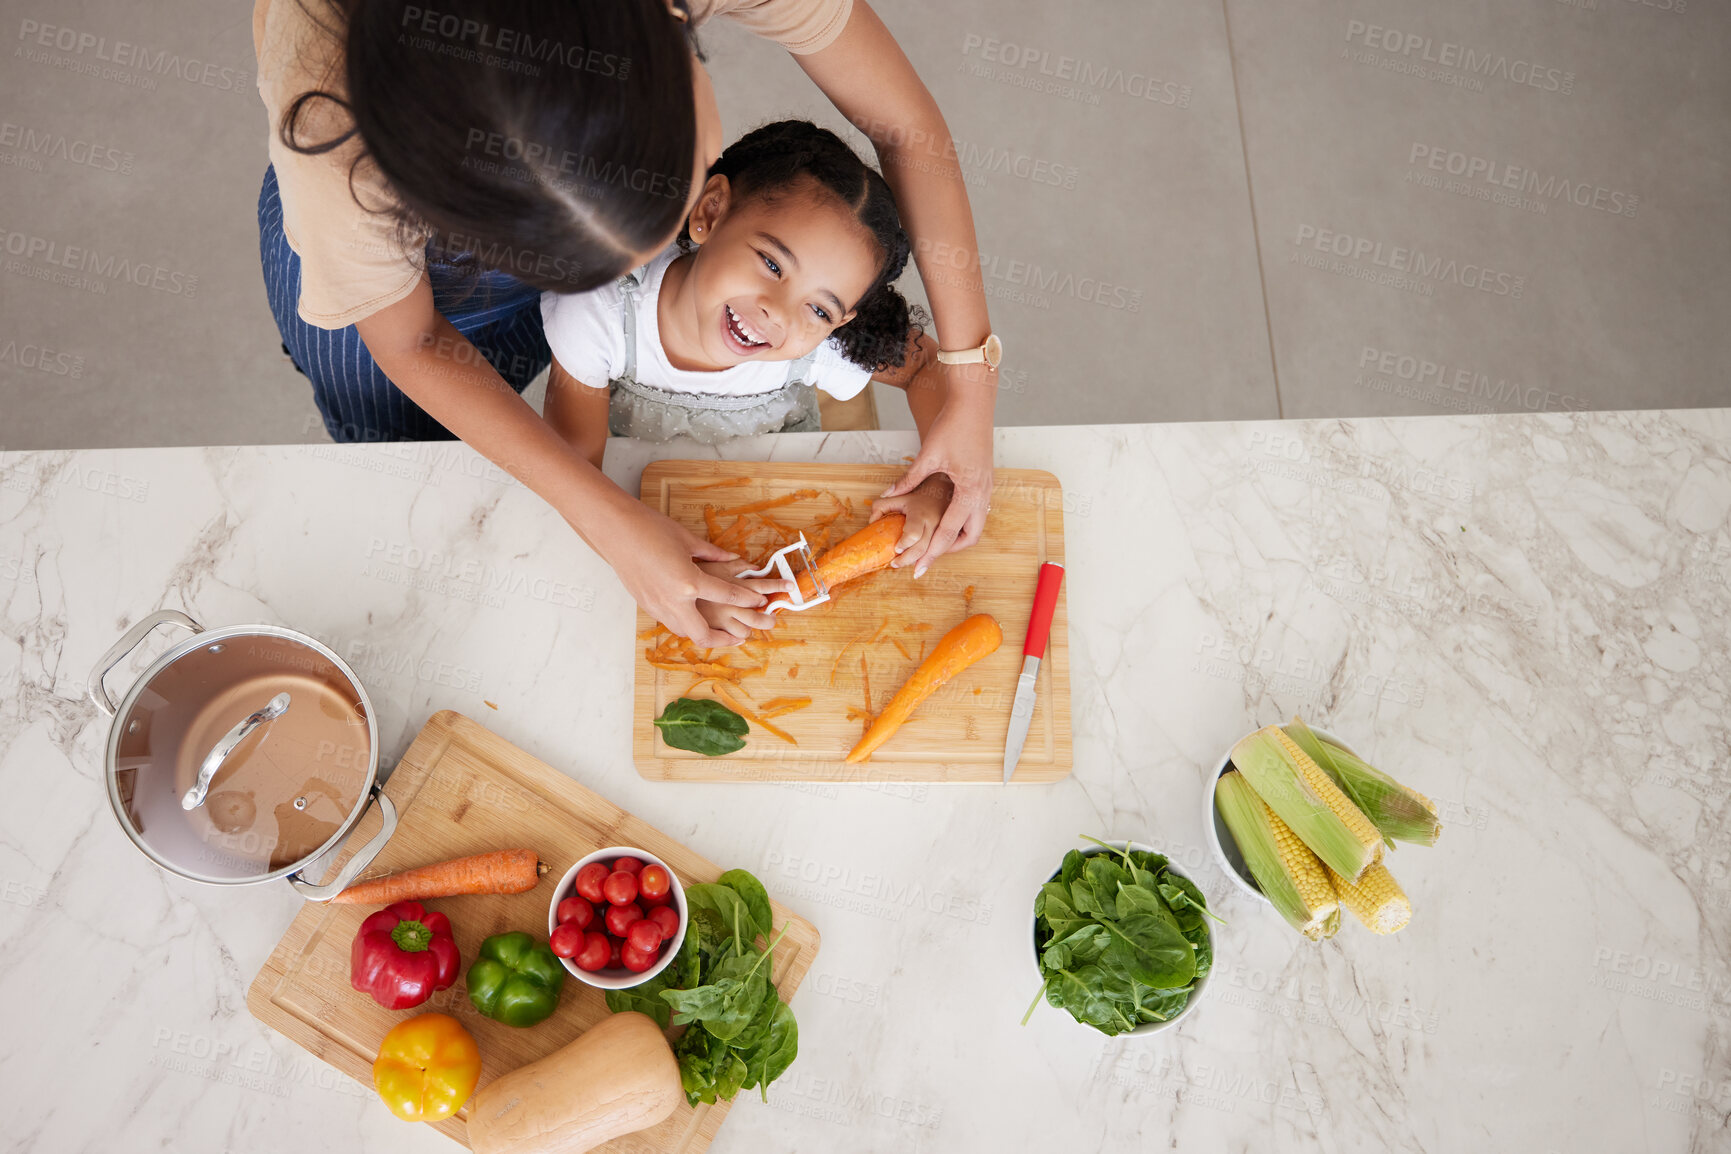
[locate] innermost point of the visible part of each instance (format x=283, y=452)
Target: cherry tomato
x=589, y=880
x=628, y=865
x=619, y=919
x=634, y=959
x=620, y=888
x=613, y=960
x=566, y=940
x=643, y=935
x=667, y=918
x=595, y=952
x=576, y=911
x=655, y=884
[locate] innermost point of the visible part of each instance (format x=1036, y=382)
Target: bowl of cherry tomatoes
x=617, y=918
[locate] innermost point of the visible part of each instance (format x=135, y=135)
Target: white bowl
x=618, y=977
x=1196, y=991
x=1220, y=840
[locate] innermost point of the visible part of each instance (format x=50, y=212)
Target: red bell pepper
x=402, y=954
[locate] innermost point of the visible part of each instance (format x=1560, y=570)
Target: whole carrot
x=977, y=637
x=506, y=871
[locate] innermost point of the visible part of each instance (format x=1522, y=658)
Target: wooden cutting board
x=461, y=790
x=889, y=619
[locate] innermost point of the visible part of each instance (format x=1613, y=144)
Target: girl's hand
x=653, y=557
x=959, y=446
x=738, y=621
x=924, y=510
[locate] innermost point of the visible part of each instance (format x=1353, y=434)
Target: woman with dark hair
x=433, y=170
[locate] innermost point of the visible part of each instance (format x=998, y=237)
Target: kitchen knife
x=1033, y=649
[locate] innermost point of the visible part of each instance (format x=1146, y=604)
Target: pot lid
x=279, y=731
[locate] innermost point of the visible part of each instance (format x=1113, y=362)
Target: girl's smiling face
x=772, y=279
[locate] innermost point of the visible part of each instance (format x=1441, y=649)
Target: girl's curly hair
x=767, y=161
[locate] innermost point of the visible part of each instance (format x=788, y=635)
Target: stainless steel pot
x=242, y=755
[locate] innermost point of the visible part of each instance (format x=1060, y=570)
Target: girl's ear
x=713, y=201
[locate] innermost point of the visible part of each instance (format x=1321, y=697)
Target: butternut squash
x=866, y=551
x=977, y=637
x=619, y=1077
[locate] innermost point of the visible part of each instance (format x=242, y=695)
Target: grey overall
x=651, y=414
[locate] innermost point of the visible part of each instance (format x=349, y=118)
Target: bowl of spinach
x=1121, y=939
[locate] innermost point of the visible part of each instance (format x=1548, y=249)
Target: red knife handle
x=1045, y=604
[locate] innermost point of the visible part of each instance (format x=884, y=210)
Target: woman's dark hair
x=551, y=141
x=772, y=161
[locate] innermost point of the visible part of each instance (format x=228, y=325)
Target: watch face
x=994, y=350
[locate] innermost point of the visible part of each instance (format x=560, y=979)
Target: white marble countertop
x=1525, y=617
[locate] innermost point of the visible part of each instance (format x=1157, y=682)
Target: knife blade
x=1033, y=649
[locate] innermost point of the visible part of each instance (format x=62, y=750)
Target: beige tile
x=1542, y=225
x=148, y=171
x=1112, y=210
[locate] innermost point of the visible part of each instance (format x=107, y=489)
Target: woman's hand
x=653, y=555
x=958, y=445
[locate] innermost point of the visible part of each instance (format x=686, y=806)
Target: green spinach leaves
x=1122, y=939
x=739, y=1034
x=702, y=726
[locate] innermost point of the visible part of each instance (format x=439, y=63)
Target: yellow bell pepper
x=427, y=1068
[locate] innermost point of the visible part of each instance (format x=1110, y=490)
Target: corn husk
x=1398, y=812
x=1290, y=876
x=1306, y=799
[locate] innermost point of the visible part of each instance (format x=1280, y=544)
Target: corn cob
x=1400, y=813
x=1304, y=797
x=1376, y=899
x=1285, y=869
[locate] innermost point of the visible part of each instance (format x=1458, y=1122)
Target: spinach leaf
x=730, y=1075
x=1154, y=863
x=771, y=1057
x=1153, y=951
x=732, y=914
x=1059, y=914
x=1083, y=993
x=1071, y=868
x=702, y=726
x=1185, y=915
x=1136, y=900
x=1204, y=943
x=752, y=893
x=698, y=1054
x=1086, y=901
x=645, y=999
x=1163, y=1005
x=1105, y=875
x=1080, y=948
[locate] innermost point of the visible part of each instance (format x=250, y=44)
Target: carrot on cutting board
x=506, y=871
x=975, y=638
x=867, y=551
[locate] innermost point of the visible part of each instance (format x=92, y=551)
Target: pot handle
x=362, y=859
x=127, y=643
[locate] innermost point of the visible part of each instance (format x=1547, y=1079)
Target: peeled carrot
x=975, y=638
x=867, y=551
x=508, y=871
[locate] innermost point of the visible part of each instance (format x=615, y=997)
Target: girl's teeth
x=751, y=338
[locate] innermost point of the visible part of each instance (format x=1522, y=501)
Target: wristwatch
x=991, y=352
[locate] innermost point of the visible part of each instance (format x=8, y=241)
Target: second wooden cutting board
x=886, y=621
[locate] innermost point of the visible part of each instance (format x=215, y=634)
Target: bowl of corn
x=1299, y=820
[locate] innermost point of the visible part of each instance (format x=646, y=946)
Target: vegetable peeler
x=777, y=565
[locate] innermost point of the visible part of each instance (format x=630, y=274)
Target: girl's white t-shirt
x=586, y=332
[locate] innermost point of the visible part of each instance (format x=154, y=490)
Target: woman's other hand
x=658, y=561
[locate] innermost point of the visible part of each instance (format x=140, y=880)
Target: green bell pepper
x=516, y=979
